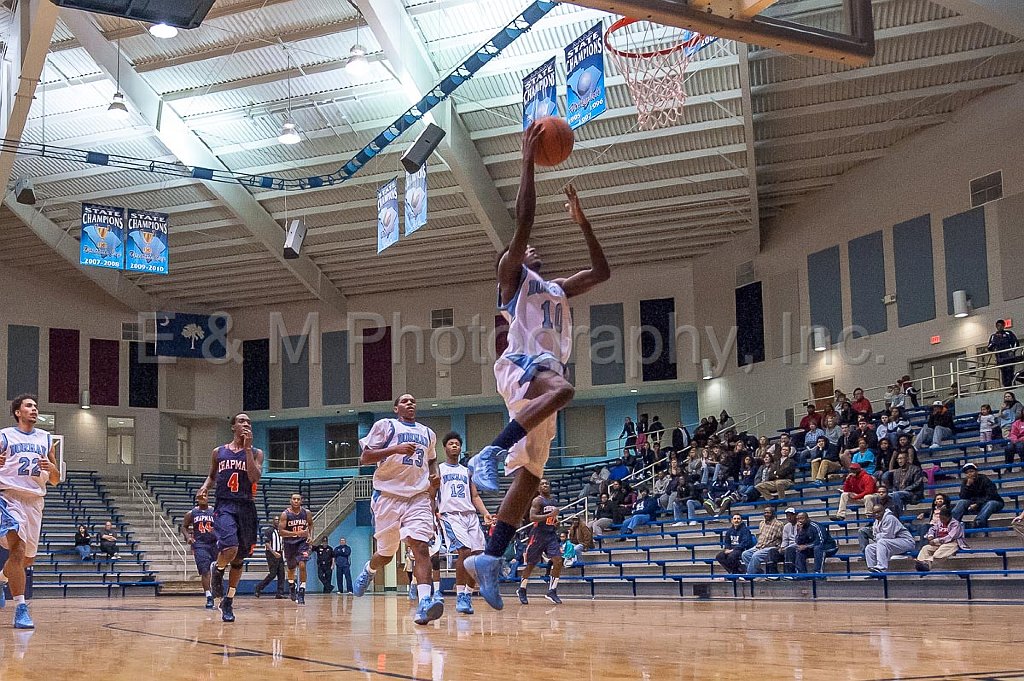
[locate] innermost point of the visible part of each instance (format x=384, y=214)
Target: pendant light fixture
x=118, y=110
x=357, y=63
x=289, y=130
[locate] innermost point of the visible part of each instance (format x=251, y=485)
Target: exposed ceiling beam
x=413, y=65
x=113, y=282
x=749, y=138
x=852, y=131
x=1005, y=15
x=26, y=47
x=183, y=143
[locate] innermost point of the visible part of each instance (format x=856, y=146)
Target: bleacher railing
x=332, y=512
x=158, y=522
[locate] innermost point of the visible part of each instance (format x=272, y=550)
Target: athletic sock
x=231, y=591
x=501, y=537
x=437, y=587
x=523, y=582
x=370, y=569
x=208, y=593
x=302, y=585
x=512, y=434
x=423, y=591
x=18, y=600
x=221, y=568
x=554, y=583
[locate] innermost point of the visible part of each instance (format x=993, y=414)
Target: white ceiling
x=670, y=195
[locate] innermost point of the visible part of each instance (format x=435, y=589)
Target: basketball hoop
x=653, y=59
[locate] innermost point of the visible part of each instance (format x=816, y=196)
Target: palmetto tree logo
x=193, y=332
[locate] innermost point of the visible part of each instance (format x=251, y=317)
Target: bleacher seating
x=665, y=559
x=82, y=499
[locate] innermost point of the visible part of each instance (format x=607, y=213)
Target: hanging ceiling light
x=163, y=31
x=289, y=133
x=118, y=110
x=357, y=63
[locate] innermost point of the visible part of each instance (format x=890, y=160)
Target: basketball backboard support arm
x=856, y=49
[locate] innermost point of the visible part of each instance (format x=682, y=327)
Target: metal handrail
x=584, y=512
x=170, y=536
x=335, y=506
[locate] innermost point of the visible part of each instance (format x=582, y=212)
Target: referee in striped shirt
x=275, y=560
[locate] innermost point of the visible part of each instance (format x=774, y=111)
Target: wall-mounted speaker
x=24, y=192
x=180, y=13
x=422, y=148
x=293, y=242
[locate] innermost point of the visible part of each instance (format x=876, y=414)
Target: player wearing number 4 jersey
x=531, y=372
x=197, y=526
x=27, y=463
x=458, y=503
x=235, y=469
x=403, y=451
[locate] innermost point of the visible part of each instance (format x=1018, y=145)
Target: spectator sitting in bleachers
x=924, y=519
x=593, y=486
x=580, y=535
x=861, y=405
x=904, y=447
x=1009, y=412
x=844, y=410
x=606, y=515
x=777, y=477
x=945, y=537
x=939, y=428
x=735, y=541
x=909, y=391
x=108, y=541
x=864, y=455
x=884, y=431
x=1016, y=442
x=833, y=431
x=769, y=540
x=883, y=455
x=824, y=458
x=859, y=485
x=866, y=430
x=747, y=479
x=660, y=484
x=569, y=550
x=644, y=511
x=83, y=543
x=810, y=422
x=847, y=444
x=907, y=481
x=890, y=393
x=888, y=538
x=720, y=493
x=898, y=425
x=618, y=471
x=978, y=495
x=1018, y=525
x=812, y=540
x=776, y=447
x=808, y=443
x=886, y=501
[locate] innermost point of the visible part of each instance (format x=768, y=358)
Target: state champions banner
x=102, y=237
x=584, y=63
x=415, y=200
x=387, y=215
x=147, y=242
x=540, y=94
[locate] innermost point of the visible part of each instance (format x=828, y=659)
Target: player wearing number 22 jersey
x=404, y=452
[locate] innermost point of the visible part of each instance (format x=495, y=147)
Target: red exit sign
x=1008, y=323
x=936, y=340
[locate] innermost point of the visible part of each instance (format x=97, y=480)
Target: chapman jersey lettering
x=296, y=522
x=399, y=474
x=549, y=526
x=539, y=321
x=454, y=492
x=24, y=451
x=202, y=525
x=232, y=477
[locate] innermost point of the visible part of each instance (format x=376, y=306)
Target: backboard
x=840, y=30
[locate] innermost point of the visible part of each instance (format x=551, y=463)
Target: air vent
x=987, y=189
x=745, y=274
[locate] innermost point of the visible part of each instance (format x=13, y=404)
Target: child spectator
x=987, y=424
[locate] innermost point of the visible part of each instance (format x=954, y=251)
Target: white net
x=653, y=59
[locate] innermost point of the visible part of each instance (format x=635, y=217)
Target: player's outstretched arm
x=511, y=264
x=598, y=272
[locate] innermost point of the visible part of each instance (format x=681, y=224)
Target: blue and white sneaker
x=464, y=604
x=438, y=597
x=412, y=592
x=210, y=605
x=428, y=610
x=22, y=620
x=484, y=467
x=362, y=582
x=486, y=570
x=3, y=595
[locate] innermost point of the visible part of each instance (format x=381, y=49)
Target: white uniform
x=539, y=337
x=23, y=485
x=458, y=515
x=401, y=502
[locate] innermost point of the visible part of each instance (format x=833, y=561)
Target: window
x=986, y=189
x=121, y=440
x=284, y=450
x=442, y=318
x=342, y=445
x=184, y=448
x=131, y=331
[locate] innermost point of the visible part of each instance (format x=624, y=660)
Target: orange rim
x=626, y=21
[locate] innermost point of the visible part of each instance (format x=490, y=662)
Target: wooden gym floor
x=373, y=638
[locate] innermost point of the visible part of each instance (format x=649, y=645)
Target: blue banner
x=102, y=236
x=415, y=200
x=147, y=242
x=540, y=94
x=584, y=64
x=191, y=335
x=387, y=215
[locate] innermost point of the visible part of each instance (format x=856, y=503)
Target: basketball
x=556, y=141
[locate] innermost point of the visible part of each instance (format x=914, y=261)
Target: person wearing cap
x=889, y=538
x=769, y=539
x=788, y=536
x=978, y=495
x=812, y=541
x=938, y=429
x=859, y=485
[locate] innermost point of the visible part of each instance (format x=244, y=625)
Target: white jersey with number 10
x=540, y=327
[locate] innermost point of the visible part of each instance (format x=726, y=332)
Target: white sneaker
x=679, y=524
x=692, y=523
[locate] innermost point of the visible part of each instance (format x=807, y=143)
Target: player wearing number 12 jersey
x=403, y=451
x=27, y=463
x=197, y=526
x=235, y=469
x=531, y=372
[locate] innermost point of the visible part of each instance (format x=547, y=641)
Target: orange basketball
x=556, y=141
